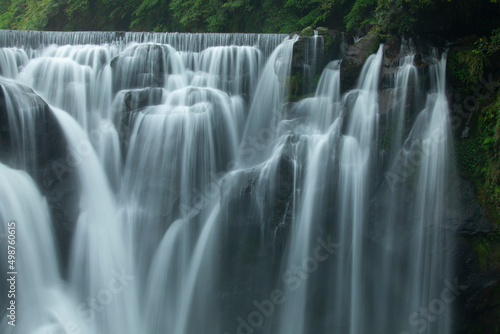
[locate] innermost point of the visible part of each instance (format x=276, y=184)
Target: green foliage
x=190, y=13
x=323, y=31
x=280, y=19
x=8, y=14
x=490, y=123
x=487, y=251
x=452, y=17
x=466, y=67
x=35, y=14
x=77, y=7
x=362, y=12
x=479, y=157
x=149, y=15
x=294, y=84
x=393, y=17
x=309, y=12
x=173, y=15
x=401, y=16
x=481, y=248
x=270, y=16
x=488, y=46
x=308, y=31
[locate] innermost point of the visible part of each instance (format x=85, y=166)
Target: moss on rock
x=322, y=31
x=308, y=31
x=356, y=55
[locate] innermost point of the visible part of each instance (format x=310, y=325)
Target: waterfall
x=99, y=254
x=168, y=183
x=11, y=59
x=430, y=239
x=313, y=57
x=21, y=111
x=34, y=282
x=265, y=110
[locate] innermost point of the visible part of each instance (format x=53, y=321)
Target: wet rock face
x=354, y=59
x=251, y=202
x=240, y=199
x=310, y=56
x=30, y=135
x=477, y=257
x=307, y=63
x=141, y=66
x=127, y=104
x=31, y=138
x=476, y=251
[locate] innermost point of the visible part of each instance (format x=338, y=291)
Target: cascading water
x=41, y=303
x=266, y=105
x=204, y=201
x=10, y=60
x=99, y=252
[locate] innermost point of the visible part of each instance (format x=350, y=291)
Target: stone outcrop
x=355, y=56
x=49, y=162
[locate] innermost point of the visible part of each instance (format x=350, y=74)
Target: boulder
x=354, y=59
x=306, y=32
x=47, y=161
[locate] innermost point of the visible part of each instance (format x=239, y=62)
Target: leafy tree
x=362, y=12
x=450, y=17
x=150, y=15
x=445, y=17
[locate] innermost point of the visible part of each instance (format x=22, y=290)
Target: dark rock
x=47, y=161
x=386, y=101
x=256, y=225
x=310, y=56
x=494, y=62
x=354, y=59
x=141, y=66
x=390, y=63
x=129, y=102
x=477, y=260
x=465, y=215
